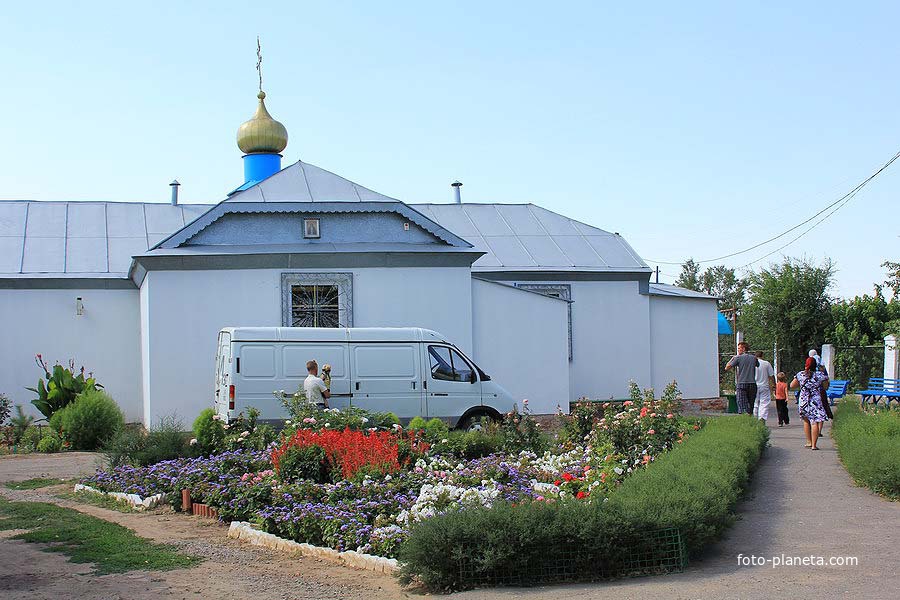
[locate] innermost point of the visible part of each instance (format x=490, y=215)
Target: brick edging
x=379, y=564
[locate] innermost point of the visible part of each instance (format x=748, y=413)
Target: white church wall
x=610, y=338
x=521, y=341
x=184, y=310
x=105, y=340
x=684, y=345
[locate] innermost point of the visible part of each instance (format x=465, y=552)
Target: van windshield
x=484, y=376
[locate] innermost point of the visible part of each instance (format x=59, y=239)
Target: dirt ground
x=801, y=503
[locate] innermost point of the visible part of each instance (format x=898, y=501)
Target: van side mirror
x=473, y=378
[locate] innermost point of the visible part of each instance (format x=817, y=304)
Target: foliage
x=789, y=306
x=416, y=424
x=33, y=436
x=868, y=443
x=297, y=463
x=719, y=280
x=693, y=488
x=20, y=424
x=436, y=430
x=5, y=408
x=111, y=548
x=131, y=445
x=62, y=386
x=50, y=444
x=856, y=324
x=245, y=432
x=33, y=484
x=303, y=415
x=520, y=431
x=893, y=276
x=209, y=431
x=470, y=444
x=88, y=422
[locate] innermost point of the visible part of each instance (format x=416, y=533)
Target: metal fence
x=858, y=364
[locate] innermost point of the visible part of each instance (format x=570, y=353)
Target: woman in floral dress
x=811, y=382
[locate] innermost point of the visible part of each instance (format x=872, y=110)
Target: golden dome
x=262, y=133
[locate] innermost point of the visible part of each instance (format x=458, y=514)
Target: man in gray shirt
x=746, y=378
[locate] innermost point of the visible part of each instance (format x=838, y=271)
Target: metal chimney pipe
x=174, y=185
x=456, y=196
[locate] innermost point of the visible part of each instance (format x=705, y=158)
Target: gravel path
x=801, y=503
x=66, y=465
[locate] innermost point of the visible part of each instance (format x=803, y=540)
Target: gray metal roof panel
x=11, y=253
x=86, y=255
x=46, y=220
x=44, y=255
x=12, y=218
x=86, y=220
x=664, y=289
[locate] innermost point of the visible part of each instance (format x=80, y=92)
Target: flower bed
x=366, y=489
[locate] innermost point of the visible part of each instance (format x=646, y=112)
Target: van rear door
x=387, y=377
x=223, y=373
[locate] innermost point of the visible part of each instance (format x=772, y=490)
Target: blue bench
x=879, y=388
x=836, y=389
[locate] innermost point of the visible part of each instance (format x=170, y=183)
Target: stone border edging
x=379, y=564
x=133, y=500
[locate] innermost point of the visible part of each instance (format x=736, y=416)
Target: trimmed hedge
x=869, y=446
x=692, y=488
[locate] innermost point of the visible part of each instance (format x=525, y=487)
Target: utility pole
x=657, y=273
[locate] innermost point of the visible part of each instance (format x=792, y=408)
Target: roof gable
x=303, y=182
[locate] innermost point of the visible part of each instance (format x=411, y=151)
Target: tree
x=789, y=306
x=723, y=282
x=893, y=276
x=690, y=276
x=857, y=332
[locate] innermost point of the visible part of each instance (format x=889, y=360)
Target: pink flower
x=670, y=416
x=627, y=403
x=540, y=498
x=650, y=432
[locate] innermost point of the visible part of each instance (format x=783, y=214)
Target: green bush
x=436, y=430
x=125, y=447
x=31, y=437
x=132, y=445
x=868, y=444
x=470, y=444
x=693, y=488
x=50, y=444
x=5, y=408
x=304, y=463
x=89, y=421
x=208, y=431
x=20, y=424
x=417, y=424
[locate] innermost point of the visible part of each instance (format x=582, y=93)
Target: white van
x=408, y=371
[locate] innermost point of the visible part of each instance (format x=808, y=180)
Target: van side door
x=387, y=377
x=453, y=383
x=332, y=354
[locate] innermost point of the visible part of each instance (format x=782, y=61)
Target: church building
x=551, y=308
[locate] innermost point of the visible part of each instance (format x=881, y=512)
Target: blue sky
x=693, y=129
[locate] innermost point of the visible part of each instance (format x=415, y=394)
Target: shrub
x=20, y=424
x=62, y=388
x=868, y=443
x=89, y=421
x=31, y=438
x=470, y=444
x=131, y=445
x=416, y=424
x=50, y=444
x=125, y=447
x=693, y=488
x=436, y=430
x=304, y=462
x=209, y=431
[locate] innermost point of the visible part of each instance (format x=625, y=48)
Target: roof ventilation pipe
x=174, y=185
x=456, y=196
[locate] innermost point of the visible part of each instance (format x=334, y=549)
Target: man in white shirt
x=316, y=391
x=763, y=390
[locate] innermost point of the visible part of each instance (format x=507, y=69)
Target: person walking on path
x=746, y=378
x=781, y=390
x=764, y=372
x=812, y=383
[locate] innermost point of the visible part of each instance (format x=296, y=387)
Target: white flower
x=525, y=401
x=397, y=426
x=619, y=470
x=245, y=434
x=216, y=417
x=364, y=420
x=225, y=426
x=193, y=441
x=287, y=422
x=387, y=477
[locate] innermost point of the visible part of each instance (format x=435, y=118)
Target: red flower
x=580, y=495
x=567, y=477
x=557, y=483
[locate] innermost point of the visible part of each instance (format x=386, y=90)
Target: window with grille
x=315, y=306
x=317, y=299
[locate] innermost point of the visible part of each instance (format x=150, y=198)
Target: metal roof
x=664, y=289
x=96, y=239
x=526, y=237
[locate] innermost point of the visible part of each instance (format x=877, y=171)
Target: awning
x=724, y=325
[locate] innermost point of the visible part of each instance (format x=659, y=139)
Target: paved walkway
x=800, y=503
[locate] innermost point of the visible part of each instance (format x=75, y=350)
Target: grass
x=868, y=443
x=85, y=539
x=101, y=500
x=33, y=484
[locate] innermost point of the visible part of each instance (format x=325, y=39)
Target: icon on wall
x=311, y=228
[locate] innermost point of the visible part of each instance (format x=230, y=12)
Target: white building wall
x=105, y=340
x=184, y=310
x=610, y=338
x=684, y=345
x=521, y=341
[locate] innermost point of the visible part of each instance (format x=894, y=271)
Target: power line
x=843, y=199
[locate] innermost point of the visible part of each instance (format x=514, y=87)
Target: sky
x=693, y=129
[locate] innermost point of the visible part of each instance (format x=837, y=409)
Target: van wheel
x=474, y=421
